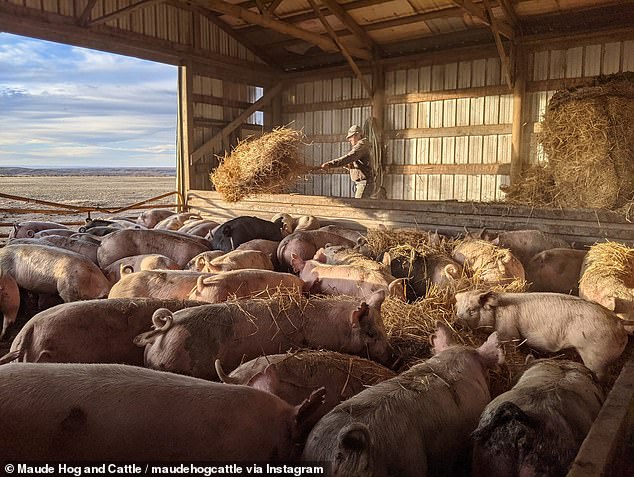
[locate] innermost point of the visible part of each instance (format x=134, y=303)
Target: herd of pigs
x=137, y=322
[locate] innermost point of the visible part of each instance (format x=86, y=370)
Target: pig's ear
x=305, y=410
x=488, y=300
x=353, y=445
x=507, y=257
x=320, y=256
x=267, y=380
x=387, y=259
x=442, y=338
x=297, y=264
x=359, y=314
x=496, y=241
x=490, y=351
x=397, y=288
x=377, y=298
x=200, y=263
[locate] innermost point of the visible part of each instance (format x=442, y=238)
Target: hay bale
x=405, y=242
x=588, y=137
x=265, y=165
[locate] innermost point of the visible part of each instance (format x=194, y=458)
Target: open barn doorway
x=65, y=106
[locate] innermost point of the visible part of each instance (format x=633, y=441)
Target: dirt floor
x=94, y=191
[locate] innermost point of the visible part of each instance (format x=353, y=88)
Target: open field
x=98, y=191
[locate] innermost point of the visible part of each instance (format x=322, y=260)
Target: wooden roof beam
x=349, y=22
x=509, y=10
x=85, y=15
x=123, y=11
x=342, y=47
x=481, y=14
x=273, y=6
x=504, y=59
x=324, y=43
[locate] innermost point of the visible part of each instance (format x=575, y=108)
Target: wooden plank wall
x=583, y=227
x=554, y=68
x=325, y=109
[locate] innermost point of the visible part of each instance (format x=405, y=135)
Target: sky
x=63, y=106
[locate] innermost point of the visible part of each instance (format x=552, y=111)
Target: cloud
x=71, y=106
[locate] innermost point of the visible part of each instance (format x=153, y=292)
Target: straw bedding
x=265, y=165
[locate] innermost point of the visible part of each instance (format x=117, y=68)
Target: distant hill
x=90, y=171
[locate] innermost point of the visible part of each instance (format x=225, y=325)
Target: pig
x=242, y=229
x=548, y=322
x=285, y=222
x=537, y=427
x=414, y=425
x=421, y=271
x=176, y=284
x=29, y=228
x=524, y=244
x=137, y=263
x=44, y=269
x=202, y=260
x=355, y=236
x=128, y=242
x=267, y=246
x=74, y=244
x=94, y=223
x=305, y=244
x=149, y=218
x=111, y=412
x=306, y=222
x=348, y=280
x=556, y=270
x=199, y=228
x=488, y=263
x=65, y=232
x=189, y=341
x=237, y=260
x=242, y=283
x=290, y=375
x=89, y=331
x=176, y=221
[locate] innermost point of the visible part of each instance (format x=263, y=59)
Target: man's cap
x=354, y=129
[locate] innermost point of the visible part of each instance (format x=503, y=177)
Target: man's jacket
x=358, y=160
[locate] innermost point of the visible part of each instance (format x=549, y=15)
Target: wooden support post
x=504, y=59
x=85, y=15
x=519, y=92
x=185, y=128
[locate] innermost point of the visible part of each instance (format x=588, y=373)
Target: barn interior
x=455, y=91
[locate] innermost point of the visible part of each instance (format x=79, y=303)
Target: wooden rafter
x=511, y=14
x=279, y=26
x=349, y=22
x=213, y=18
x=273, y=6
x=504, y=59
x=222, y=136
x=124, y=11
x=342, y=48
x=481, y=14
x=85, y=15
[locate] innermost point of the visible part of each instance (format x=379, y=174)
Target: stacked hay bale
x=265, y=165
x=588, y=138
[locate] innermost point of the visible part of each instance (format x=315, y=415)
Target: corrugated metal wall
x=325, y=109
x=447, y=126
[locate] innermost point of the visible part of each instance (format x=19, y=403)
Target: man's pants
x=363, y=189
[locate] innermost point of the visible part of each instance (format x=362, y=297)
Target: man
x=358, y=161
